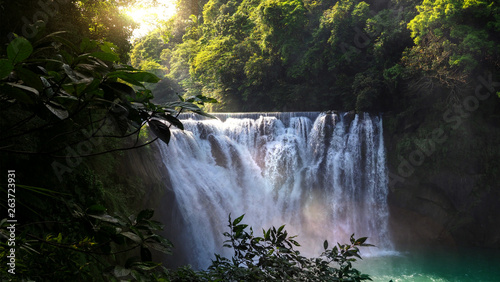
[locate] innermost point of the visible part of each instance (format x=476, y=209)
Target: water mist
x=323, y=175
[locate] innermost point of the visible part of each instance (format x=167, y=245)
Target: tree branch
x=70, y=247
x=81, y=156
x=47, y=124
x=79, y=129
x=21, y=122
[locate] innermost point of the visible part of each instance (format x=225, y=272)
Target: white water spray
x=323, y=175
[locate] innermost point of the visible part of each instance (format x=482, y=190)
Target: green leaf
x=145, y=77
x=281, y=228
x=55, y=75
x=67, y=57
x=105, y=56
x=92, y=86
x=125, y=68
x=125, y=77
x=132, y=236
x=239, y=228
x=160, y=129
x=96, y=209
x=366, y=277
x=201, y=99
x=17, y=94
x=325, y=244
x=19, y=50
x=207, y=99
x=74, y=89
x=161, y=240
x=238, y=220
x=360, y=241
x=70, y=73
x=142, y=96
x=173, y=120
x=108, y=47
x=145, y=214
x=6, y=68
x=122, y=122
x=66, y=42
x=159, y=247
x=106, y=218
x=49, y=38
x=150, y=225
x=187, y=106
x=57, y=109
x=24, y=87
x=267, y=234
x=119, y=90
x=145, y=266
x=86, y=45
x=29, y=78
x=137, y=76
x=131, y=261
x=93, y=69
x=40, y=190
x=118, y=110
x=47, y=87
x=120, y=271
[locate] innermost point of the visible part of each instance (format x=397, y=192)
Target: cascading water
x=323, y=175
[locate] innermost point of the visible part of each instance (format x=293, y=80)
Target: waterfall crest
x=323, y=175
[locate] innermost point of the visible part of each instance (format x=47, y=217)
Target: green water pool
x=433, y=265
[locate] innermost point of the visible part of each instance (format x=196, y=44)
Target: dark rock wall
x=146, y=164
x=444, y=167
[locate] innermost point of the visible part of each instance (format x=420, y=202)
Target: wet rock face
x=420, y=214
x=452, y=198
x=428, y=213
x=147, y=166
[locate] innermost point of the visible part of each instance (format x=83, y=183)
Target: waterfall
x=323, y=175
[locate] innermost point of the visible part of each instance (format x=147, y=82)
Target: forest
x=80, y=98
x=322, y=55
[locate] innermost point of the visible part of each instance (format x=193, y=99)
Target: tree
x=106, y=22
x=147, y=53
x=97, y=20
x=452, y=39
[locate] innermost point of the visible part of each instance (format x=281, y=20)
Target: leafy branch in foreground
x=79, y=92
x=96, y=249
x=272, y=257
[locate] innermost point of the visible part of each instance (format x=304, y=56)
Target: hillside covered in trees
x=321, y=55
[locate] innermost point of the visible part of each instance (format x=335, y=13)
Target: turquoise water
x=434, y=265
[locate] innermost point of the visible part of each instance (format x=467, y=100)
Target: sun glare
x=149, y=17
